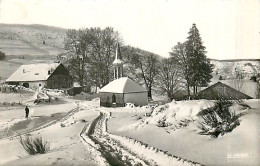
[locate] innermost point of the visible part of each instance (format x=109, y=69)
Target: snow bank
x=175, y=112
x=128, y=109
x=151, y=154
x=186, y=143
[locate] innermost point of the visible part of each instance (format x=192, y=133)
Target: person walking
x=26, y=112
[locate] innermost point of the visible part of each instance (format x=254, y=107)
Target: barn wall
x=221, y=91
x=139, y=99
x=60, y=78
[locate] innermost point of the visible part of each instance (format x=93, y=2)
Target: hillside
x=227, y=68
x=40, y=43
x=53, y=36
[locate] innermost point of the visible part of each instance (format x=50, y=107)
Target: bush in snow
x=34, y=145
x=62, y=125
x=244, y=105
x=163, y=123
x=138, y=118
x=219, y=119
x=148, y=114
x=185, y=122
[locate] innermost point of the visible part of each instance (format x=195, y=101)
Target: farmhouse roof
x=33, y=72
x=247, y=87
x=123, y=85
x=228, y=86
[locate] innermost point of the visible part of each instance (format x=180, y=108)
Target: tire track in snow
x=118, y=150
x=111, y=150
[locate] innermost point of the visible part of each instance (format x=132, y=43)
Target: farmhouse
x=122, y=90
x=34, y=76
x=231, y=89
x=220, y=89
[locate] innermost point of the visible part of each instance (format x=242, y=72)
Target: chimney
x=23, y=70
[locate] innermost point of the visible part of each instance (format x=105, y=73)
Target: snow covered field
x=240, y=147
x=86, y=135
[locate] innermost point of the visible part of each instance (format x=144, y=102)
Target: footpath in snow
x=118, y=150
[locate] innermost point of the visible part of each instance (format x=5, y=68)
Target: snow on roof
x=33, y=72
x=123, y=85
x=247, y=87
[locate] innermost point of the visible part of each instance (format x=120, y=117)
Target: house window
x=26, y=85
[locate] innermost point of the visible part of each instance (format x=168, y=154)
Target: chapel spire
x=118, y=64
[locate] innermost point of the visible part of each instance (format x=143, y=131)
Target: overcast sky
x=230, y=29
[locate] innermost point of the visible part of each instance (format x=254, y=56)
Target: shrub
x=83, y=120
x=62, y=125
x=34, y=145
x=219, y=119
x=163, y=123
x=2, y=56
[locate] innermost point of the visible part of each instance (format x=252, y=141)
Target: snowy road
x=119, y=150
x=13, y=133
x=109, y=149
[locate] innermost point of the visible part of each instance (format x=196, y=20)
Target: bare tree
x=91, y=52
x=102, y=51
x=238, y=81
x=183, y=63
x=169, y=78
x=76, y=46
x=146, y=69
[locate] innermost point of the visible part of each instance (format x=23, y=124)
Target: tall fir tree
x=200, y=67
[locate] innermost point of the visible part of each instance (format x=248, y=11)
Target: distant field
x=6, y=69
x=53, y=36
x=22, y=49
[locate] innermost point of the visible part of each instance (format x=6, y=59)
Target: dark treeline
x=91, y=51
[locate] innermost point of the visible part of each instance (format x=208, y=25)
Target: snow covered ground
x=181, y=138
x=13, y=119
x=84, y=136
x=66, y=145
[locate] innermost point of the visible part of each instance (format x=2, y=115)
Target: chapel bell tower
x=118, y=64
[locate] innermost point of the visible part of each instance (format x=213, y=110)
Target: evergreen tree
x=200, y=67
x=220, y=77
